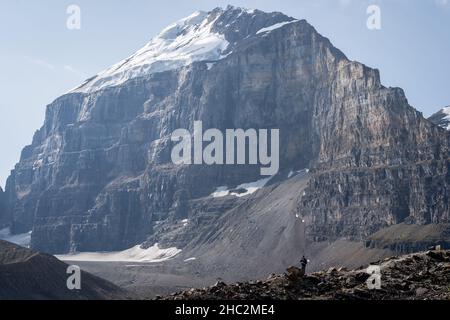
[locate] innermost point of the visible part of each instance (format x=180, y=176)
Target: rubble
x=421, y=276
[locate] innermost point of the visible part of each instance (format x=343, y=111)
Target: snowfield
x=275, y=26
x=188, y=40
x=135, y=254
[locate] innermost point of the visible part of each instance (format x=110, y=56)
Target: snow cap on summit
x=202, y=36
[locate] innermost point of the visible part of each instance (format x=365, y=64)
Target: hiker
x=303, y=263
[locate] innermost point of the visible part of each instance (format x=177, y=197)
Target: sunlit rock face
x=99, y=176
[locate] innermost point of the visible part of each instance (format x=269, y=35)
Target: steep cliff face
x=381, y=163
x=3, y=218
x=98, y=175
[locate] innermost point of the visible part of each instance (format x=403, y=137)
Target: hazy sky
x=40, y=58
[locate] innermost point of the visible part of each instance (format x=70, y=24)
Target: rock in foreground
x=29, y=275
x=412, y=277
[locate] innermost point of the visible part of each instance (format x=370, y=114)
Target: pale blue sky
x=40, y=58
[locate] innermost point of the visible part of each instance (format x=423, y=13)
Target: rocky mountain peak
x=202, y=36
x=240, y=23
x=442, y=118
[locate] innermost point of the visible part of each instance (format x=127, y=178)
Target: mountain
x=421, y=276
x=3, y=219
x=95, y=173
x=29, y=275
x=355, y=157
x=442, y=118
x=203, y=36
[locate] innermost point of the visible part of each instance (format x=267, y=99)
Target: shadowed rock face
x=98, y=175
x=406, y=238
x=3, y=218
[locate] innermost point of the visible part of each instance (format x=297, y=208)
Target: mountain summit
x=202, y=36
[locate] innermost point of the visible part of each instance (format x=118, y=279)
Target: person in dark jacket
x=303, y=263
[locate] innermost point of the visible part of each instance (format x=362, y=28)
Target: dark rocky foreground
x=29, y=275
x=421, y=276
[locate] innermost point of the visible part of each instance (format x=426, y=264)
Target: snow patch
x=250, y=188
x=446, y=111
x=38, y=163
x=190, y=259
x=22, y=239
x=275, y=26
x=188, y=40
x=220, y=192
x=135, y=254
x=293, y=173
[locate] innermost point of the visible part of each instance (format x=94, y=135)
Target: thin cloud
x=41, y=63
x=71, y=69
